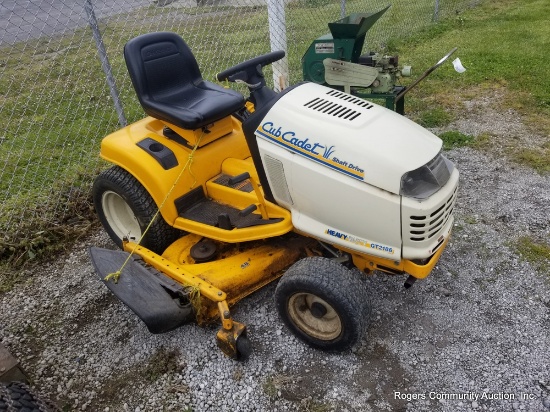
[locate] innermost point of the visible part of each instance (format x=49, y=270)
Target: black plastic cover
x=159, y=152
x=142, y=290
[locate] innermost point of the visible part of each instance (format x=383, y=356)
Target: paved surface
x=24, y=20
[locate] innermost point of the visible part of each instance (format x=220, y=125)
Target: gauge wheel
x=125, y=208
x=323, y=303
x=244, y=348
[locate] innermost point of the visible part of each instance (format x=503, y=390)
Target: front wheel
x=18, y=397
x=125, y=209
x=323, y=303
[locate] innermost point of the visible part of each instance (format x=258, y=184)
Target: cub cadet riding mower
x=213, y=197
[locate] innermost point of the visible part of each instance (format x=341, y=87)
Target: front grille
x=425, y=227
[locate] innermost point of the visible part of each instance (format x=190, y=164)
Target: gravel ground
x=473, y=336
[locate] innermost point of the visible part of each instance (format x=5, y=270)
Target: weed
x=538, y=159
x=270, y=389
x=310, y=405
x=435, y=118
x=453, y=139
x=238, y=374
x=471, y=220
x=273, y=384
x=534, y=252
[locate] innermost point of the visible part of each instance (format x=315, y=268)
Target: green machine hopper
x=345, y=42
x=335, y=60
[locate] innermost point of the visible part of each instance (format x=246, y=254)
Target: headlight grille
x=424, y=227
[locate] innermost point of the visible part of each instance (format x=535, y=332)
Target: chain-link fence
x=63, y=83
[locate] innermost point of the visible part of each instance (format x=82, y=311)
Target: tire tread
x=335, y=282
x=160, y=235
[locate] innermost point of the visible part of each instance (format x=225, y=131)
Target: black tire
x=16, y=396
x=125, y=208
x=323, y=303
x=244, y=348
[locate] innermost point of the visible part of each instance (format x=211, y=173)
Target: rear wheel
x=125, y=208
x=323, y=303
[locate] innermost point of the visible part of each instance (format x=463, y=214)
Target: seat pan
x=194, y=106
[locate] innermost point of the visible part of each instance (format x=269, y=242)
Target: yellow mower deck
x=210, y=287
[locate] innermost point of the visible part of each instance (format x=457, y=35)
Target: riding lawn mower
x=213, y=196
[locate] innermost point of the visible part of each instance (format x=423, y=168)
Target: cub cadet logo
x=289, y=137
x=310, y=149
x=359, y=242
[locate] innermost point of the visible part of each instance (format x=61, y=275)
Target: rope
x=116, y=275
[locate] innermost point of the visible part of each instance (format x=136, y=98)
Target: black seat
x=169, y=84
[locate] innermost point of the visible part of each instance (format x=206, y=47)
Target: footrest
x=157, y=300
x=208, y=211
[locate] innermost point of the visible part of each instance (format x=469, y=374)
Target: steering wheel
x=250, y=71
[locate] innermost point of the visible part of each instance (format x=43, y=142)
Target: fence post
x=342, y=9
x=436, y=11
x=105, y=65
x=277, y=38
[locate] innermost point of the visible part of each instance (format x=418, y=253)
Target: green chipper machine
x=336, y=60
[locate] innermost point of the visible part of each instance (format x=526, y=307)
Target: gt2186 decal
x=359, y=241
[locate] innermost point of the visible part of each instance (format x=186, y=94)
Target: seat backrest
x=160, y=64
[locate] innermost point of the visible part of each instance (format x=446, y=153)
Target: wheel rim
x=314, y=316
x=120, y=216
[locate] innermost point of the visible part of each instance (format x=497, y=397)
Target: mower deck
x=170, y=290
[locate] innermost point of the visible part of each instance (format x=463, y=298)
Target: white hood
x=349, y=135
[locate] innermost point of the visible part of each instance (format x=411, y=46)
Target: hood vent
x=336, y=109
x=350, y=99
x=333, y=109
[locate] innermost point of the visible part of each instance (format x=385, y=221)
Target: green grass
x=536, y=253
x=453, y=139
x=487, y=37
x=435, y=117
x=538, y=159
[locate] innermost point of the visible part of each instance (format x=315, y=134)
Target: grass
x=535, y=252
x=486, y=37
x=538, y=159
x=436, y=117
x=453, y=139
